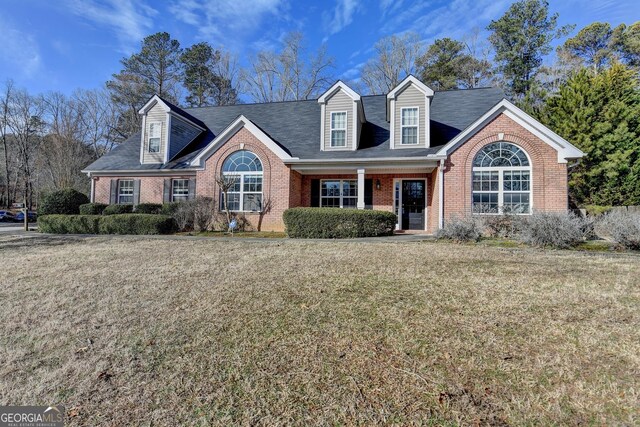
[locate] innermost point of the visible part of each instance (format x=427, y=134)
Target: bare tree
x=228, y=73
x=291, y=74
x=98, y=117
x=394, y=60
x=26, y=124
x=64, y=149
x=226, y=183
x=5, y=103
x=477, y=71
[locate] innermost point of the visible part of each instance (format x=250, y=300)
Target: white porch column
x=360, y=204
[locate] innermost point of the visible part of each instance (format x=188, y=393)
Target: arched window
x=245, y=170
x=501, y=180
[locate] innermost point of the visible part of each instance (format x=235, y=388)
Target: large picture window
x=409, y=125
x=501, y=180
x=245, y=170
x=339, y=193
x=125, y=191
x=339, y=129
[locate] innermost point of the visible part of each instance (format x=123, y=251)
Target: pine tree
x=600, y=114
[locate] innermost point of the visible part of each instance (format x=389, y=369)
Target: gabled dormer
x=166, y=130
x=341, y=118
x=408, y=114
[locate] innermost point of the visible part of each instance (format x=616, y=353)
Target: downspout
x=441, y=194
x=92, y=192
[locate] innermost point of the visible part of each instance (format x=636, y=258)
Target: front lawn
x=166, y=331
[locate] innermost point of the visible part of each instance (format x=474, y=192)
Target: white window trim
x=331, y=129
x=417, y=126
x=120, y=181
x=242, y=192
x=173, y=191
x=501, y=190
x=341, y=196
x=153, y=125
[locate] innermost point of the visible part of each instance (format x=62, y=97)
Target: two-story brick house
x=422, y=154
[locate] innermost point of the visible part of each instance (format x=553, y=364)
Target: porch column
x=360, y=204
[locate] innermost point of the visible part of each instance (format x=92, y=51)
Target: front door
x=413, y=204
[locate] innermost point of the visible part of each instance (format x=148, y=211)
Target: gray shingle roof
x=295, y=126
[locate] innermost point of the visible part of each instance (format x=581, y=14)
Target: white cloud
x=19, y=49
x=341, y=16
x=227, y=21
x=454, y=19
x=130, y=20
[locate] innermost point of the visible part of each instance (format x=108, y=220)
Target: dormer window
x=155, y=130
x=409, y=125
x=339, y=129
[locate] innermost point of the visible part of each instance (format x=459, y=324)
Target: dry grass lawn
x=144, y=331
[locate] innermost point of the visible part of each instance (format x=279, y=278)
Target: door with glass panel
x=410, y=204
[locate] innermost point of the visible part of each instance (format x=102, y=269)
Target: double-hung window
x=243, y=170
x=180, y=190
x=125, y=191
x=339, y=129
x=155, y=130
x=409, y=125
x=501, y=180
x=339, y=193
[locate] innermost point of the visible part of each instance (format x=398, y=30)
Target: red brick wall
x=549, y=178
x=276, y=179
x=151, y=187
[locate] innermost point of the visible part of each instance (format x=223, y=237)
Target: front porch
x=410, y=192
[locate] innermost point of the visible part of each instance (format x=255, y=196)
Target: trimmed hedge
x=92, y=208
x=148, y=208
x=118, y=209
x=336, y=223
x=111, y=224
x=137, y=224
x=69, y=224
x=170, y=208
x=62, y=202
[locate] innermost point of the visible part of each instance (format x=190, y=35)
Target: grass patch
x=318, y=333
x=238, y=234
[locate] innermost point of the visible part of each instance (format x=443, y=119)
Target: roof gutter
x=191, y=171
x=415, y=159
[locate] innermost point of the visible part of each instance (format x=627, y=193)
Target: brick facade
x=548, y=177
x=151, y=187
x=277, y=192
x=284, y=188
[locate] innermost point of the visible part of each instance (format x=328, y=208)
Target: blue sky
x=66, y=44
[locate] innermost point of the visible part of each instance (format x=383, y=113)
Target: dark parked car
x=6, y=216
x=20, y=216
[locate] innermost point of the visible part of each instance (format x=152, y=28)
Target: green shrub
x=461, y=229
x=596, y=210
x=118, y=209
x=69, y=224
x=170, y=208
x=336, y=223
x=137, y=224
x=92, y=208
x=62, y=202
x=148, y=208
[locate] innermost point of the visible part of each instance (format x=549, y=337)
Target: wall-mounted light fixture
x=377, y=184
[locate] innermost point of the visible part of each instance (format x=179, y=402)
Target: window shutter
x=368, y=193
x=166, y=194
x=192, y=188
x=136, y=191
x=315, y=193
x=113, y=194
